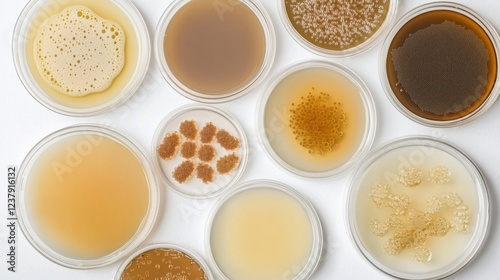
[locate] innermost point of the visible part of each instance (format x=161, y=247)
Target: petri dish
x=214, y=52
x=199, y=151
x=316, y=119
x=158, y=260
x=418, y=208
x=68, y=75
x=435, y=82
x=76, y=206
x=337, y=28
x=275, y=233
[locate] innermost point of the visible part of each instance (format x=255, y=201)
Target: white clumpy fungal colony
x=78, y=52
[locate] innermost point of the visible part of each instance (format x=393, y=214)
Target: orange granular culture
x=207, y=133
x=184, y=171
x=189, y=129
x=188, y=149
x=226, y=140
x=227, y=163
x=205, y=173
x=206, y=153
x=168, y=147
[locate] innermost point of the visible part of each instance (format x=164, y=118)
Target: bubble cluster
x=410, y=228
x=199, y=153
x=78, y=52
x=336, y=24
x=317, y=122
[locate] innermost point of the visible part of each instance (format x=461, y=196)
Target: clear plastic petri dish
x=158, y=260
x=418, y=208
x=435, y=82
x=275, y=233
x=77, y=206
x=214, y=52
x=316, y=119
x=337, y=28
x=199, y=151
x=63, y=68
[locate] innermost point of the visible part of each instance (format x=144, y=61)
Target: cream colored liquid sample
x=261, y=234
x=445, y=249
x=107, y=10
x=290, y=90
x=87, y=196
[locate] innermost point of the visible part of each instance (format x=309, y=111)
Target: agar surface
x=198, y=149
x=410, y=228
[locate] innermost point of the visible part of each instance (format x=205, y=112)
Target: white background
x=23, y=122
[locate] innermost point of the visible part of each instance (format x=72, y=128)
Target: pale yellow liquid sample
x=261, y=233
x=105, y=9
x=445, y=249
x=86, y=196
x=290, y=90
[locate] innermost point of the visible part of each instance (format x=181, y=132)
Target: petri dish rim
x=268, y=60
x=370, y=119
x=429, y=7
x=160, y=134
x=176, y=247
x=356, y=50
x=317, y=231
x=479, y=236
x=30, y=233
x=22, y=27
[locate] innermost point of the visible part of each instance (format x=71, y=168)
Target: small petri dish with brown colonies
x=164, y=261
x=207, y=133
x=337, y=27
x=207, y=153
x=194, y=170
x=439, y=65
x=168, y=147
x=214, y=51
x=188, y=149
x=81, y=57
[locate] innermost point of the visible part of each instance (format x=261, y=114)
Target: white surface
x=23, y=122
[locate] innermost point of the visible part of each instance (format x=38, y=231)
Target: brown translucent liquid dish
x=441, y=65
x=214, y=49
x=163, y=264
x=336, y=25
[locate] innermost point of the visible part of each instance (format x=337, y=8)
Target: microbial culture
x=87, y=196
x=315, y=119
x=441, y=65
x=336, y=25
x=214, y=50
x=82, y=54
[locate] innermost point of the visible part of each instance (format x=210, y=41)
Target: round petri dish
x=77, y=206
x=214, y=52
x=264, y=230
x=199, y=151
x=68, y=75
x=316, y=119
x=158, y=260
x=337, y=28
x=435, y=82
x=418, y=208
